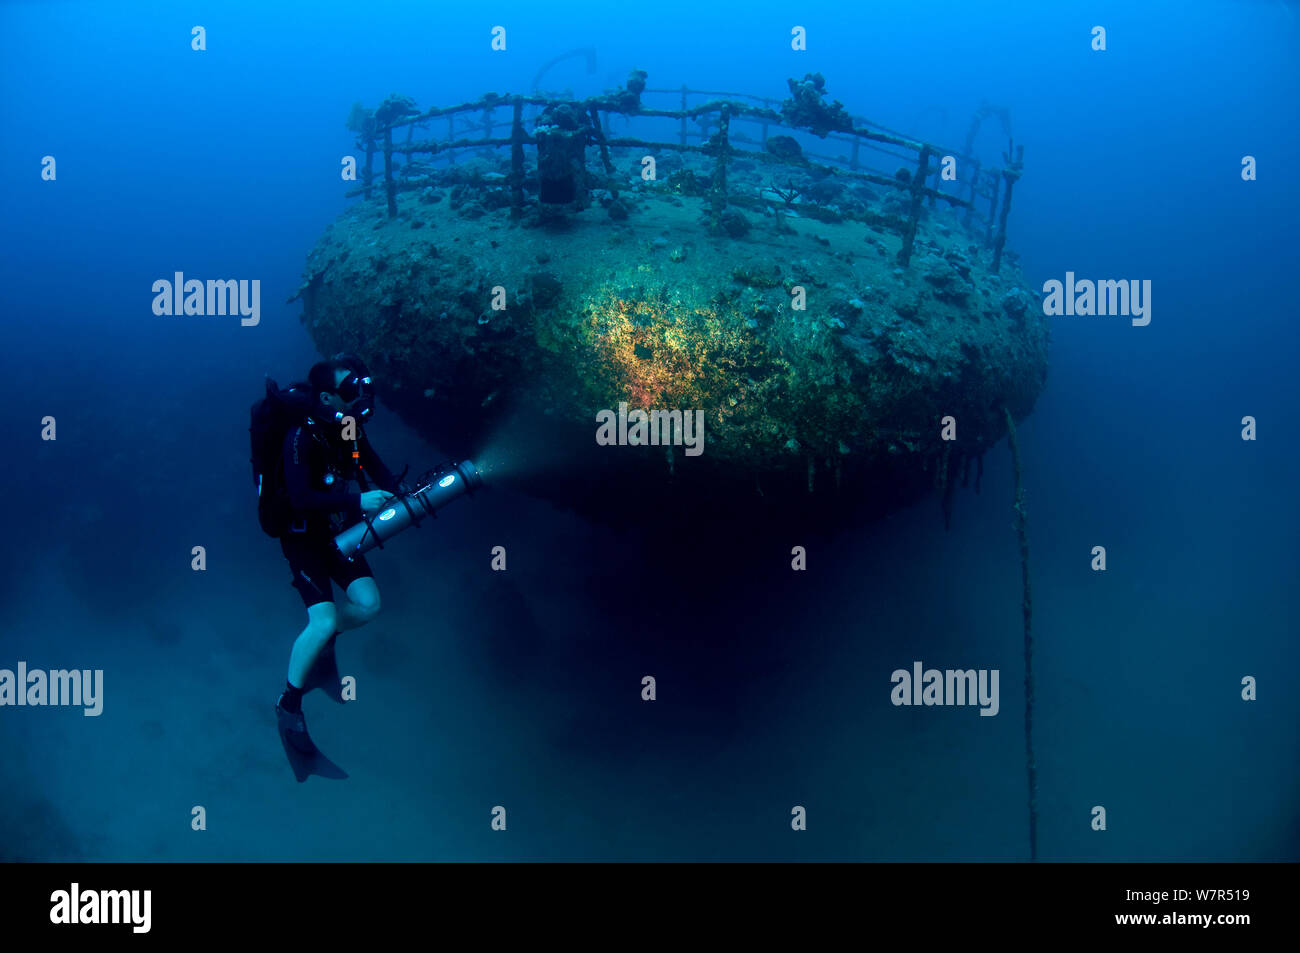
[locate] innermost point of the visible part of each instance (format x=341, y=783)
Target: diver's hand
x=373, y=501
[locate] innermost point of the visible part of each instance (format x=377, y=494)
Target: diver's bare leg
x=361, y=606
x=322, y=618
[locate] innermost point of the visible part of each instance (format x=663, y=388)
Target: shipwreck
x=832, y=301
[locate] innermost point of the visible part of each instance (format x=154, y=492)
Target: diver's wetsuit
x=318, y=473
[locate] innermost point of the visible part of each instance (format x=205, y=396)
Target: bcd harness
x=333, y=470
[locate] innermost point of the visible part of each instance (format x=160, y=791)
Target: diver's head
x=343, y=388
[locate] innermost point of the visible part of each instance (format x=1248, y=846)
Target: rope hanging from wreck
x=1027, y=606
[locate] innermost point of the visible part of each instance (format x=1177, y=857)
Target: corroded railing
x=717, y=121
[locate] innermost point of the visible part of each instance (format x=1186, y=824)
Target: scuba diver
x=308, y=449
x=306, y=496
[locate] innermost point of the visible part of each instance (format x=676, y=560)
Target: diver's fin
x=304, y=757
x=305, y=765
x=324, y=674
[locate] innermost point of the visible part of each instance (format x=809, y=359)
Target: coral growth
x=807, y=108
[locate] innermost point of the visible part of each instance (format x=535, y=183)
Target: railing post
x=517, y=160
x=993, y=207
x=370, y=160
x=681, y=135
x=1011, y=174
x=600, y=138
x=390, y=186
x=918, y=191
x=718, y=200
x=973, y=183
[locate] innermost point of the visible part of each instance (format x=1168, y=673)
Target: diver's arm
x=374, y=467
x=303, y=496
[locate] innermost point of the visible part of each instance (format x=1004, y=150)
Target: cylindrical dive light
x=439, y=488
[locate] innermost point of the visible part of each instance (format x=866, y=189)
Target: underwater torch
x=437, y=488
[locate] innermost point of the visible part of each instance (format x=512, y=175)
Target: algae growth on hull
x=487, y=328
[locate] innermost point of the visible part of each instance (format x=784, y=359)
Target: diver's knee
x=364, y=598
x=322, y=622
x=368, y=609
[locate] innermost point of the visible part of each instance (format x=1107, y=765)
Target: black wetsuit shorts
x=315, y=561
